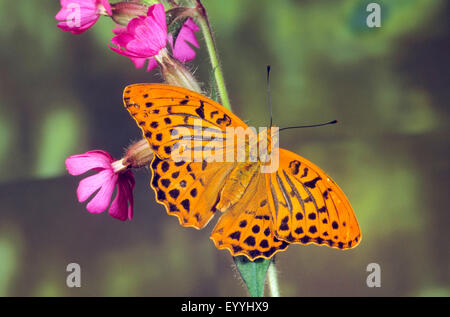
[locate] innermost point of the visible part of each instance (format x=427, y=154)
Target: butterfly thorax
x=243, y=173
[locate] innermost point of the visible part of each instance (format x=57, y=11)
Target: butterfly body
x=261, y=212
x=236, y=184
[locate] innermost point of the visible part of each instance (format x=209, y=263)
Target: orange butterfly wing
x=160, y=109
x=298, y=203
x=188, y=190
x=308, y=206
x=247, y=228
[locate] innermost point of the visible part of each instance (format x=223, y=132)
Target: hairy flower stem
x=273, y=280
x=209, y=40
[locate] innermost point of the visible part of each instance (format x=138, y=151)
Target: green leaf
x=253, y=273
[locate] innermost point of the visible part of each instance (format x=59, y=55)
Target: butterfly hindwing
x=188, y=190
x=308, y=206
x=247, y=227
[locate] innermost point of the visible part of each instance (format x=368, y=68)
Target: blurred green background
x=60, y=94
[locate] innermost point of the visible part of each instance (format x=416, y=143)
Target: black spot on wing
x=161, y=195
x=165, y=166
x=235, y=235
x=225, y=119
x=165, y=182
x=305, y=172
x=294, y=167
x=250, y=241
x=284, y=226
x=201, y=110
x=312, y=183
x=186, y=205
x=174, y=193
x=175, y=174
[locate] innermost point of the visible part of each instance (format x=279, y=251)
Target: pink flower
x=104, y=183
x=145, y=39
x=77, y=16
x=182, y=49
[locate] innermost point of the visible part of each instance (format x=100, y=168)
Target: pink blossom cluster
x=143, y=39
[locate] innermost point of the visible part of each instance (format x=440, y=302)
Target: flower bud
x=124, y=12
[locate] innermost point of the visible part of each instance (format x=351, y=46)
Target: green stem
x=209, y=40
x=273, y=280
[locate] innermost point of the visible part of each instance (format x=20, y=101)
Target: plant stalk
x=273, y=280
x=209, y=41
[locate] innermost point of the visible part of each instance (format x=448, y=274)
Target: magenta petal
x=134, y=23
x=81, y=3
x=107, y=6
x=119, y=205
x=122, y=206
x=122, y=39
x=91, y=184
x=144, y=37
x=89, y=12
x=81, y=163
x=86, y=21
x=102, y=199
x=159, y=15
x=62, y=14
x=122, y=52
x=152, y=63
x=138, y=62
x=182, y=49
x=149, y=39
x=130, y=189
x=119, y=30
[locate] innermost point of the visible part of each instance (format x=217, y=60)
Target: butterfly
x=261, y=213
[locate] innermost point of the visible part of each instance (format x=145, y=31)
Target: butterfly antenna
x=268, y=94
x=310, y=126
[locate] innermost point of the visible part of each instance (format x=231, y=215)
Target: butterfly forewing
x=168, y=114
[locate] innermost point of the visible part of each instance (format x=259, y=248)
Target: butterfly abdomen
x=236, y=184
